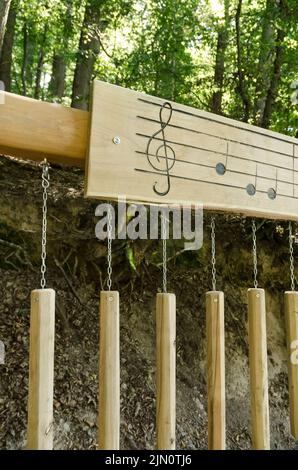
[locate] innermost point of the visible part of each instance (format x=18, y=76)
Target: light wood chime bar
x=291, y=313
x=258, y=359
x=165, y=358
x=215, y=333
x=109, y=358
x=41, y=355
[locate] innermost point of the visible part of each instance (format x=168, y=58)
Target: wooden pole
x=258, y=369
x=109, y=372
x=166, y=371
x=291, y=304
x=41, y=370
x=32, y=129
x=216, y=370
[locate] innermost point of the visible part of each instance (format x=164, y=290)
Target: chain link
x=291, y=251
x=213, y=254
x=110, y=230
x=254, y=251
x=164, y=253
x=45, y=185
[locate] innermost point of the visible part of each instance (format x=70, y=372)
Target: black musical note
x=221, y=168
x=165, y=162
x=251, y=189
x=272, y=192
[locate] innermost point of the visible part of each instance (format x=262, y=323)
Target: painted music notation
x=251, y=188
x=164, y=150
x=164, y=156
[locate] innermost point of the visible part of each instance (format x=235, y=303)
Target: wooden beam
x=32, y=129
x=165, y=371
x=41, y=370
x=258, y=369
x=216, y=370
x=291, y=303
x=109, y=372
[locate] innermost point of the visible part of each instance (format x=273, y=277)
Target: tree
x=265, y=61
x=4, y=10
x=240, y=73
x=272, y=91
x=161, y=62
x=233, y=58
x=65, y=31
x=89, y=47
x=219, y=69
x=6, y=55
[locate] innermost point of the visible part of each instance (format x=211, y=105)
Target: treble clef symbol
x=163, y=159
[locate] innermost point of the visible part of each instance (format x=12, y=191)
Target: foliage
x=242, y=53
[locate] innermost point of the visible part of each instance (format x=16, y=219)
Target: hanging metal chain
x=45, y=185
x=213, y=254
x=164, y=253
x=291, y=250
x=110, y=230
x=254, y=251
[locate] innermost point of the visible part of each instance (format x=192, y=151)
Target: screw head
x=116, y=140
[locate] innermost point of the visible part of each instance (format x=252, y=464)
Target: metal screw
x=117, y=140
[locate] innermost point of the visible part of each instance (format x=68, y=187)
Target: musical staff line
x=205, y=165
x=216, y=183
x=225, y=139
x=253, y=131
x=216, y=152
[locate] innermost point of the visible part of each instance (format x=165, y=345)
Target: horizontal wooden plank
x=32, y=129
x=35, y=130
x=162, y=152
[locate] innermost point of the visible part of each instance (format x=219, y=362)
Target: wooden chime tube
x=166, y=371
x=258, y=369
x=109, y=372
x=41, y=370
x=216, y=370
x=291, y=304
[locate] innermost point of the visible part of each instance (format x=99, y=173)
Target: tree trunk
x=4, y=10
x=60, y=61
x=241, y=88
x=222, y=43
x=266, y=57
x=88, y=49
x=216, y=103
x=6, y=56
x=40, y=63
x=25, y=60
x=275, y=79
x=57, y=83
